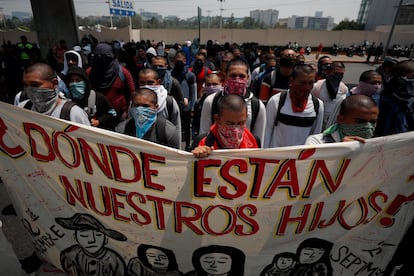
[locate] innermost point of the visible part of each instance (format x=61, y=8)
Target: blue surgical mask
x=144, y=118
x=77, y=89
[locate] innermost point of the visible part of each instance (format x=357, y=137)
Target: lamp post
x=221, y=13
x=392, y=30
x=110, y=14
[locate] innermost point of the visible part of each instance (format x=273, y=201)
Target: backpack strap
x=91, y=109
x=282, y=101
x=210, y=140
x=272, y=80
x=305, y=122
x=315, y=104
x=121, y=74
x=170, y=106
x=258, y=142
x=217, y=96
x=28, y=105
x=255, y=105
x=160, y=129
x=66, y=108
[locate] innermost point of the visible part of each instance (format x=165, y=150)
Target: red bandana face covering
x=230, y=137
x=236, y=86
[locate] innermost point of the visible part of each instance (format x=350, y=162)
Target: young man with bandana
x=324, y=63
x=229, y=129
x=236, y=82
x=201, y=71
x=100, y=111
x=356, y=121
x=41, y=86
x=300, y=115
x=370, y=84
x=168, y=107
x=145, y=123
x=331, y=90
x=160, y=64
x=278, y=80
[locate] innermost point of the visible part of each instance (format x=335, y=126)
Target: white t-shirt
x=283, y=135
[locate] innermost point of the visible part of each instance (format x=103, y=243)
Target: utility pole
x=110, y=14
x=221, y=13
x=392, y=30
x=142, y=19
x=199, y=22
x=208, y=20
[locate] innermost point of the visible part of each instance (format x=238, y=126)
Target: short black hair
x=356, y=101
x=46, y=71
x=302, y=69
x=147, y=71
x=238, y=61
x=231, y=102
x=336, y=64
x=367, y=75
x=147, y=92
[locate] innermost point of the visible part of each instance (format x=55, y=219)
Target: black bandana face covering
x=332, y=83
x=44, y=99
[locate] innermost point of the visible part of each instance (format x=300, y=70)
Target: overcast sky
x=339, y=9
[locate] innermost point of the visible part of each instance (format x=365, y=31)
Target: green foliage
x=348, y=25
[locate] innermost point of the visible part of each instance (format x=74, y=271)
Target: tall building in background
x=268, y=18
x=316, y=22
x=381, y=13
x=363, y=11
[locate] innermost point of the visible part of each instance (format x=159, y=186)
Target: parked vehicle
x=334, y=50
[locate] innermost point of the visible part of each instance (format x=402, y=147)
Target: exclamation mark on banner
x=394, y=207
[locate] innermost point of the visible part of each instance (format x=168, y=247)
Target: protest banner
x=96, y=201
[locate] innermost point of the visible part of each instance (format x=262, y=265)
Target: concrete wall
x=271, y=37
x=52, y=29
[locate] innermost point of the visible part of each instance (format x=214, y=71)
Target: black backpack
x=288, y=119
x=64, y=113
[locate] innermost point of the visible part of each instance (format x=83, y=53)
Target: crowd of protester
x=203, y=98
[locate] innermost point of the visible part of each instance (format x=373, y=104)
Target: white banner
x=101, y=203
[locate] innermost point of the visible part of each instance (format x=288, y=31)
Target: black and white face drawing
x=216, y=263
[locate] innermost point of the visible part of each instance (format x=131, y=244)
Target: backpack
x=309, y=121
x=198, y=106
x=64, y=113
x=160, y=129
x=255, y=105
x=90, y=109
x=169, y=106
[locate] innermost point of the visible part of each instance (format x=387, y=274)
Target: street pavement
x=18, y=236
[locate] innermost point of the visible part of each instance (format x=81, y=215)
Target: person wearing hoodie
x=101, y=113
x=111, y=79
x=167, y=105
x=160, y=64
x=70, y=58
